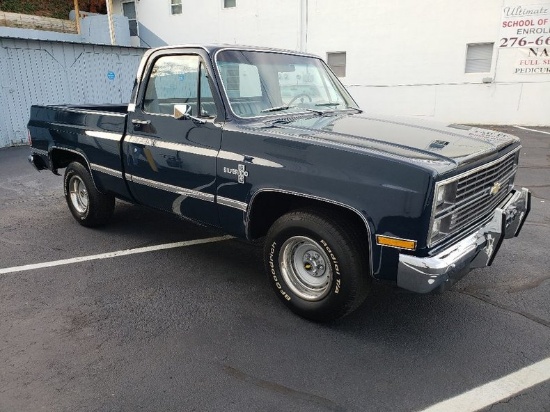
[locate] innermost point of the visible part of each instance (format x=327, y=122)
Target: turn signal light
x=395, y=242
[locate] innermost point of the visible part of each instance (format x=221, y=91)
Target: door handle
x=138, y=122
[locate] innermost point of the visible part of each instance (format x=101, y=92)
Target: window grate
x=129, y=10
x=479, y=57
x=337, y=62
x=176, y=7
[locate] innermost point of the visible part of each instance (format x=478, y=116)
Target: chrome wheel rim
x=306, y=268
x=78, y=194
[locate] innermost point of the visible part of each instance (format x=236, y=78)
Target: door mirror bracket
x=183, y=112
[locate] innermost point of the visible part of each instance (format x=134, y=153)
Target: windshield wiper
x=337, y=104
x=320, y=112
x=326, y=112
x=276, y=109
x=328, y=104
x=324, y=104
x=273, y=123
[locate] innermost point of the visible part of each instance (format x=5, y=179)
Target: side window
x=173, y=80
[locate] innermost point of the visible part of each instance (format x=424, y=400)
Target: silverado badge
x=240, y=172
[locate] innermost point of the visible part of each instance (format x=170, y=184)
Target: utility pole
x=77, y=16
x=110, y=18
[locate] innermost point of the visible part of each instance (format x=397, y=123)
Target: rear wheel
x=88, y=206
x=317, y=264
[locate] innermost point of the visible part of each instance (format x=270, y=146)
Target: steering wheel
x=298, y=96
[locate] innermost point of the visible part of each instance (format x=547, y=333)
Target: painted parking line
x=109, y=255
x=531, y=130
x=497, y=390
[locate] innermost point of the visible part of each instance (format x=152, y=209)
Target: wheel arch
x=267, y=205
x=61, y=157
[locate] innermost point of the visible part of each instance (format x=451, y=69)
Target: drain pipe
x=304, y=16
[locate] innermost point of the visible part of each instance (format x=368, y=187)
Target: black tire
x=89, y=207
x=317, y=264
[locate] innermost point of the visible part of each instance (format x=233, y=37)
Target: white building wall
x=274, y=24
x=403, y=57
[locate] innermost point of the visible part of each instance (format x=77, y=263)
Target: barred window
x=129, y=10
x=479, y=57
x=337, y=62
x=175, y=6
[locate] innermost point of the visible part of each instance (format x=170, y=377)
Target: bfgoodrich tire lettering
x=317, y=264
x=88, y=206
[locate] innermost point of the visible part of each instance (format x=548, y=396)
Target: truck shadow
x=218, y=296
x=397, y=319
x=387, y=309
x=140, y=221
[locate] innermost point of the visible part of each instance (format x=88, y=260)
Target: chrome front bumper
x=424, y=274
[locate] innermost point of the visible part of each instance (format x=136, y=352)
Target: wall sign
x=111, y=75
x=534, y=60
x=525, y=26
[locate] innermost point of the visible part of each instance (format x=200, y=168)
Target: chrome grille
x=474, y=199
x=475, y=195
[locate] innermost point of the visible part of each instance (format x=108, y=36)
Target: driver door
x=171, y=163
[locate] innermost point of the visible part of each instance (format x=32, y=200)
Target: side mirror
x=183, y=112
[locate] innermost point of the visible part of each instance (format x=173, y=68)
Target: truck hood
x=436, y=145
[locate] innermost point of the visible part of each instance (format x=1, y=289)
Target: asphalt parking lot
x=197, y=327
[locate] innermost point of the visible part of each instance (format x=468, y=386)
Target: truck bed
x=93, y=131
x=115, y=108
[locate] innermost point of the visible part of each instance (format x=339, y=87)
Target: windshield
x=260, y=83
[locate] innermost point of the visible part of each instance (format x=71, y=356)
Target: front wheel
x=317, y=264
x=88, y=206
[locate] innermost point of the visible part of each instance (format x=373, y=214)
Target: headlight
x=444, y=195
x=440, y=195
x=443, y=205
x=436, y=227
x=440, y=228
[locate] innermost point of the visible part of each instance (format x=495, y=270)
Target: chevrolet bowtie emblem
x=495, y=189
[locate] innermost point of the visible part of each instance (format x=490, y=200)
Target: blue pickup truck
x=268, y=144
